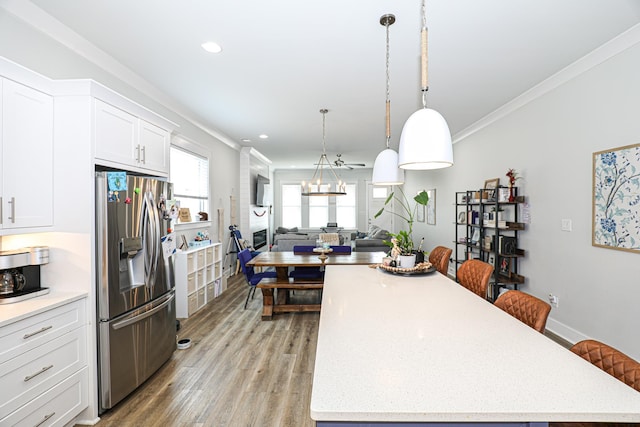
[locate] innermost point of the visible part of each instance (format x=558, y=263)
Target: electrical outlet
x=554, y=300
x=566, y=225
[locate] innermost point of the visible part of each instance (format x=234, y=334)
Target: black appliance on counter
x=20, y=273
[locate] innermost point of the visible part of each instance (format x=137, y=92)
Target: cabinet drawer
x=33, y=331
x=193, y=303
x=209, y=275
x=39, y=369
x=201, y=297
x=200, y=258
x=210, y=292
x=191, y=259
x=56, y=407
x=209, y=255
x=191, y=282
x=200, y=278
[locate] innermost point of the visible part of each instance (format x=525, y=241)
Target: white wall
x=550, y=141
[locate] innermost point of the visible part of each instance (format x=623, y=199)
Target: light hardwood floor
x=239, y=371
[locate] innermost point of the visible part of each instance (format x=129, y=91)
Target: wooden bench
x=282, y=304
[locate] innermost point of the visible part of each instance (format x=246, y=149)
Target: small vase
x=511, y=196
x=407, y=261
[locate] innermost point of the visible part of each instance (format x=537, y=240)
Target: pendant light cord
x=388, y=101
x=424, y=56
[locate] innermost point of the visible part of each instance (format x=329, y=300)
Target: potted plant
x=402, y=249
x=404, y=238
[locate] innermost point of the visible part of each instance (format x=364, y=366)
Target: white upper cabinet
x=124, y=140
x=26, y=179
x=154, y=146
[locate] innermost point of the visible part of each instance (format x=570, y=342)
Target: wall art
x=616, y=198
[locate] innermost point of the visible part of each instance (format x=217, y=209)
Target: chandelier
x=425, y=142
x=325, y=181
x=385, y=168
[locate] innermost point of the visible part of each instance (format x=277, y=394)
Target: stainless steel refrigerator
x=135, y=283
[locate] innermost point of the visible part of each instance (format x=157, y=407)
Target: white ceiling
x=283, y=60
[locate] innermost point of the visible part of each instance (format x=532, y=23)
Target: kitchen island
x=424, y=350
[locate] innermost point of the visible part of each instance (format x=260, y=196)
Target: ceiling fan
x=340, y=163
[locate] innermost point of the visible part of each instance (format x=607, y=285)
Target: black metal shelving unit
x=487, y=227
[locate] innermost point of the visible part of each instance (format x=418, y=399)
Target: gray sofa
x=285, y=239
x=372, y=240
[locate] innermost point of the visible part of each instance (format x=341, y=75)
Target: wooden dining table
x=275, y=291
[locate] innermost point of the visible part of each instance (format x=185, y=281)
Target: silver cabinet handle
x=13, y=210
x=46, y=417
x=1, y=217
x=138, y=153
x=27, y=336
x=41, y=371
x=144, y=154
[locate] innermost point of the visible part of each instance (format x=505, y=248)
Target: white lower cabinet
x=198, y=274
x=43, y=367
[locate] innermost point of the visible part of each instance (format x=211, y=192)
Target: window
x=346, y=208
x=190, y=177
x=317, y=211
x=291, y=206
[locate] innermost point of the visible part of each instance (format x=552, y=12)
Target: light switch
x=566, y=225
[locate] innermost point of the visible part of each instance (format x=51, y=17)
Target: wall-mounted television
x=263, y=191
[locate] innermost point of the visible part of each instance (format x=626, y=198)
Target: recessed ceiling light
x=212, y=47
x=263, y=136
x=245, y=140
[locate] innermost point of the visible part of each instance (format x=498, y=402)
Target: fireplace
x=259, y=238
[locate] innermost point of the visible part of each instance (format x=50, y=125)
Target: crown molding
x=41, y=21
x=613, y=47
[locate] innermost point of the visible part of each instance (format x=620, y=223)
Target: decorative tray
x=423, y=268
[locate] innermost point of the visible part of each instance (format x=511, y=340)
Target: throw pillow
x=381, y=234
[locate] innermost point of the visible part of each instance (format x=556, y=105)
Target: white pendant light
x=425, y=142
x=385, y=168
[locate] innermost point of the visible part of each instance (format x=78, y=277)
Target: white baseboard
x=565, y=332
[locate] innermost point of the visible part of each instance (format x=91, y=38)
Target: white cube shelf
x=198, y=271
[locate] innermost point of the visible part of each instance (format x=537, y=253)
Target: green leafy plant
x=402, y=241
x=405, y=211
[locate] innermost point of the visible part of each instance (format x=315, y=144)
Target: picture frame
x=504, y=269
x=490, y=185
x=615, y=208
x=420, y=213
x=462, y=218
x=431, y=207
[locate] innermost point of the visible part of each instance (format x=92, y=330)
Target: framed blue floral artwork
x=616, y=198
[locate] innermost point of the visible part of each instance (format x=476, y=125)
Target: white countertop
x=10, y=313
x=423, y=348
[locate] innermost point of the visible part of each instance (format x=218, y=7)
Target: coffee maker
x=20, y=273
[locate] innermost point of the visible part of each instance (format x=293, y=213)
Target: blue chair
x=305, y=272
x=253, y=278
x=341, y=250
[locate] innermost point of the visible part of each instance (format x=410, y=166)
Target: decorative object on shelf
x=425, y=142
x=616, y=198
x=317, y=186
x=203, y=216
x=184, y=215
x=513, y=177
x=385, y=167
x=490, y=185
x=431, y=207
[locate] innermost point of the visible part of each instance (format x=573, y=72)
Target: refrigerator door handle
x=136, y=318
x=156, y=230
